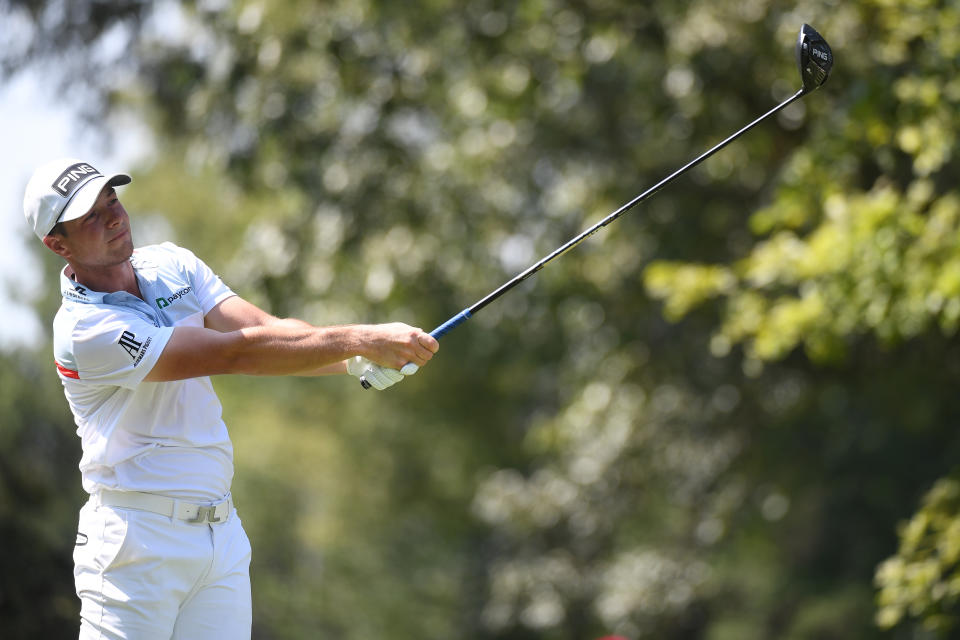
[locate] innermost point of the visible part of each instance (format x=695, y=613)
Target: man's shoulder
x=73, y=316
x=166, y=257
x=77, y=321
x=160, y=253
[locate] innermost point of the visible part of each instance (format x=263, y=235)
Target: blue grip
x=449, y=325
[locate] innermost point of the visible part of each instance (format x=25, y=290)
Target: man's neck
x=111, y=279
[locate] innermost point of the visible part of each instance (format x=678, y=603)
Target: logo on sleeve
x=128, y=340
x=136, y=349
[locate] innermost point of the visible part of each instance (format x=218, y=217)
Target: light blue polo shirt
x=159, y=437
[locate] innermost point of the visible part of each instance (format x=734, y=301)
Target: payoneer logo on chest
x=166, y=302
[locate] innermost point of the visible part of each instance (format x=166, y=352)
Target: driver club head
x=814, y=58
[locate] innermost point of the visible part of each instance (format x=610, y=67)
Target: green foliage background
x=709, y=421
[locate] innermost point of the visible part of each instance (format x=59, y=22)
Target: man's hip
x=144, y=573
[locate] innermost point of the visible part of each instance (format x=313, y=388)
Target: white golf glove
x=379, y=377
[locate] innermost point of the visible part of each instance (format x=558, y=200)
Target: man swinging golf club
x=160, y=550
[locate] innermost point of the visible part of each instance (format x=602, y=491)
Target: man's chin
x=127, y=245
x=122, y=250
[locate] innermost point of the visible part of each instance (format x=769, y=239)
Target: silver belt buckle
x=205, y=514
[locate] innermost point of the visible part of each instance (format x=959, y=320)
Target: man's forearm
x=336, y=368
x=193, y=352
x=293, y=347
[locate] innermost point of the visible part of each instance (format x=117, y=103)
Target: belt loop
x=175, y=511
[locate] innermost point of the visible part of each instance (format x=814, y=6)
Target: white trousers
x=144, y=576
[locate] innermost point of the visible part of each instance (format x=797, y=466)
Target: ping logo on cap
x=72, y=177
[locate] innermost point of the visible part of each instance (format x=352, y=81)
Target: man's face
x=102, y=237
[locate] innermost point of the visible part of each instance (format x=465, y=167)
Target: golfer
x=160, y=550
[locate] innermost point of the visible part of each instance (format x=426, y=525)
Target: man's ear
x=55, y=243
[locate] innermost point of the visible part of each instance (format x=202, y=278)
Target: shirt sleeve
x=207, y=285
x=117, y=349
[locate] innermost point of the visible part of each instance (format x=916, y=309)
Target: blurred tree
x=921, y=580
x=40, y=495
x=571, y=464
x=861, y=236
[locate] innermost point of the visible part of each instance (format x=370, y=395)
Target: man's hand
x=396, y=344
x=379, y=377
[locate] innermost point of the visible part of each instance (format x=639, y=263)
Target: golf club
x=814, y=59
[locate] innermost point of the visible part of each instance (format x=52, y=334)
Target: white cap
x=62, y=190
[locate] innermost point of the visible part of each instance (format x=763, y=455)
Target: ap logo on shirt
x=128, y=340
x=136, y=349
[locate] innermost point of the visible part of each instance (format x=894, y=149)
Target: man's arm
x=241, y=338
x=236, y=313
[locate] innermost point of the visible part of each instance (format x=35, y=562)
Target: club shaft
x=464, y=315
